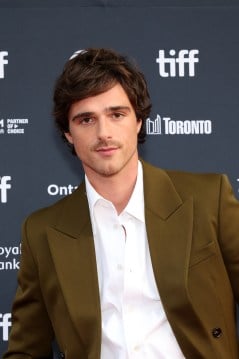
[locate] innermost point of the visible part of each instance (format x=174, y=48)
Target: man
x=138, y=262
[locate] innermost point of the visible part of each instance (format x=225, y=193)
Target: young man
x=138, y=262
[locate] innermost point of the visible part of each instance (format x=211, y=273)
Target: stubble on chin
x=106, y=170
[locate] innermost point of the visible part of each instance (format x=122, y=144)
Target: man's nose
x=103, y=128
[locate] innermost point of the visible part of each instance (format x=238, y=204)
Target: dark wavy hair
x=92, y=72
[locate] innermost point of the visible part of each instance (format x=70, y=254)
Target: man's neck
x=117, y=188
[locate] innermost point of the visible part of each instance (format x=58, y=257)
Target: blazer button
x=217, y=332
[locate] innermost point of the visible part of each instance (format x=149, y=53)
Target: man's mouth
x=106, y=150
x=106, y=147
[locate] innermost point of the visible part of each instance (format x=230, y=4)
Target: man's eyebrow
x=82, y=115
x=118, y=108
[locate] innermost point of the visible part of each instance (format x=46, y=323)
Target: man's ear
x=68, y=137
x=139, y=125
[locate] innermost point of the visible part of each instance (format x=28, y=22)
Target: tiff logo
x=3, y=62
x=5, y=324
x=183, y=64
x=4, y=187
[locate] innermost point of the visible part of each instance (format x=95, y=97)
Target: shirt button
x=216, y=332
x=130, y=309
x=119, y=267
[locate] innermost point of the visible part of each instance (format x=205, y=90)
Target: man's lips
x=106, y=149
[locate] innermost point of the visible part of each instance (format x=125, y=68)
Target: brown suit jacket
x=193, y=232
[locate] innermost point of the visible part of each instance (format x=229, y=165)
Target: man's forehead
x=113, y=97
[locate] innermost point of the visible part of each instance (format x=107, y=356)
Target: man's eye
x=117, y=115
x=86, y=121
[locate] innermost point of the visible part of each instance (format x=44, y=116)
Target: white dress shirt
x=134, y=324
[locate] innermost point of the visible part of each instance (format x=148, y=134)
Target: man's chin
x=108, y=172
x=104, y=171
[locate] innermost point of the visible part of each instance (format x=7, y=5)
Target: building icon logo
x=154, y=127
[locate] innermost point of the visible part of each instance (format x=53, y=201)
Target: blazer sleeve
x=229, y=233
x=31, y=334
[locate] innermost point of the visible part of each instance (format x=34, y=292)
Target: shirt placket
x=112, y=248
x=132, y=287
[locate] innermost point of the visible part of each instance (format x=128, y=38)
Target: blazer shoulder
x=189, y=183
x=195, y=178
x=198, y=185
x=187, y=177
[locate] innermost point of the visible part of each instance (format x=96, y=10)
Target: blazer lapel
x=72, y=248
x=169, y=223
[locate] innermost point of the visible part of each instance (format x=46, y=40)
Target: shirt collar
x=135, y=206
x=92, y=195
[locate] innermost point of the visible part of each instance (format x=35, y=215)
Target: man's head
x=92, y=72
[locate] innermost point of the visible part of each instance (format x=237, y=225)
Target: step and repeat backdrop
x=189, y=54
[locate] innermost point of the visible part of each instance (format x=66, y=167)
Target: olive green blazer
x=192, y=225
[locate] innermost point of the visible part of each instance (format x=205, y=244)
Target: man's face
x=103, y=130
